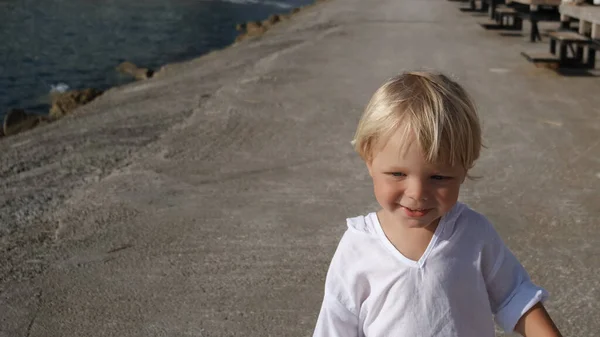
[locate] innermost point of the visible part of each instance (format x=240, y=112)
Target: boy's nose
x=416, y=190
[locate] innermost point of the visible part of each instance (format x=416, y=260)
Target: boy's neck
x=410, y=242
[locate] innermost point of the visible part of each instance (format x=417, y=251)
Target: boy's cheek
x=391, y=195
x=448, y=196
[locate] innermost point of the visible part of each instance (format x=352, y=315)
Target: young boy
x=425, y=265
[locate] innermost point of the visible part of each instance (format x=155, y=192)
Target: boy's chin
x=413, y=223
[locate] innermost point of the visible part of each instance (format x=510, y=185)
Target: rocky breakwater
x=256, y=28
x=19, y=120
x=62, y=104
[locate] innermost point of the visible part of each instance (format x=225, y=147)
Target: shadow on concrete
x=511, y=34
x=494, y=26
x=578, y=72
x=469, y=10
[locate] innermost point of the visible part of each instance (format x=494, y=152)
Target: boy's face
x=413, y=192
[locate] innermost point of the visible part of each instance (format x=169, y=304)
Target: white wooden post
x=564, y=20
x=596, y=31
x=584, y=27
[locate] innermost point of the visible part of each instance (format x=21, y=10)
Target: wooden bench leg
x=552, y=46
x=579, y=54
x=535, y=33
x=518, y=23
x=484, y=6
x=492, y=8
x=591, y=58
x=562, y=54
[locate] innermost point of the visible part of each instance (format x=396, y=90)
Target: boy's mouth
x=415, y=209
x=415, y=212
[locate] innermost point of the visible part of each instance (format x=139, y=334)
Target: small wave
x=59, y=88
x=258, y=2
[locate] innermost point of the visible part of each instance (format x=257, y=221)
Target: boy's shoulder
x=471, y=224
x=467, y=214
x=361, y=235
x=363, y=224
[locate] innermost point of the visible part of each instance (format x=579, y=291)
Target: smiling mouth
x=415, y=212
x=416, y=209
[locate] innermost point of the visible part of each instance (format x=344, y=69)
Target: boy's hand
x=537, y=323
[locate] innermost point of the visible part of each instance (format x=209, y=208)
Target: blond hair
x=432, y=108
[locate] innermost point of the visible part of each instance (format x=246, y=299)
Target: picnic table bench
x=589, y=26
x=503, y=15
x=536, y=11
x=515, y=11
x=571, y=44
x=473, y=6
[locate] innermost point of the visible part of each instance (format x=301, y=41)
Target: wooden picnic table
x=534, y=3
x=473, y=7
x=588, y=15
x=587, y=39
x=535, y=14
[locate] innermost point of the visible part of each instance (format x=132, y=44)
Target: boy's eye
x=438, y=177
x=397, y=174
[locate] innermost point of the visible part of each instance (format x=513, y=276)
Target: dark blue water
x=79, y=43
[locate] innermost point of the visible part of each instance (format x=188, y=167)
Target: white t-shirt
x=465, y=278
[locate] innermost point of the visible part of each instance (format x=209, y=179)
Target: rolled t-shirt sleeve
x=510, y=290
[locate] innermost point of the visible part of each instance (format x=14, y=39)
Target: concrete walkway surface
x=208, y=201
